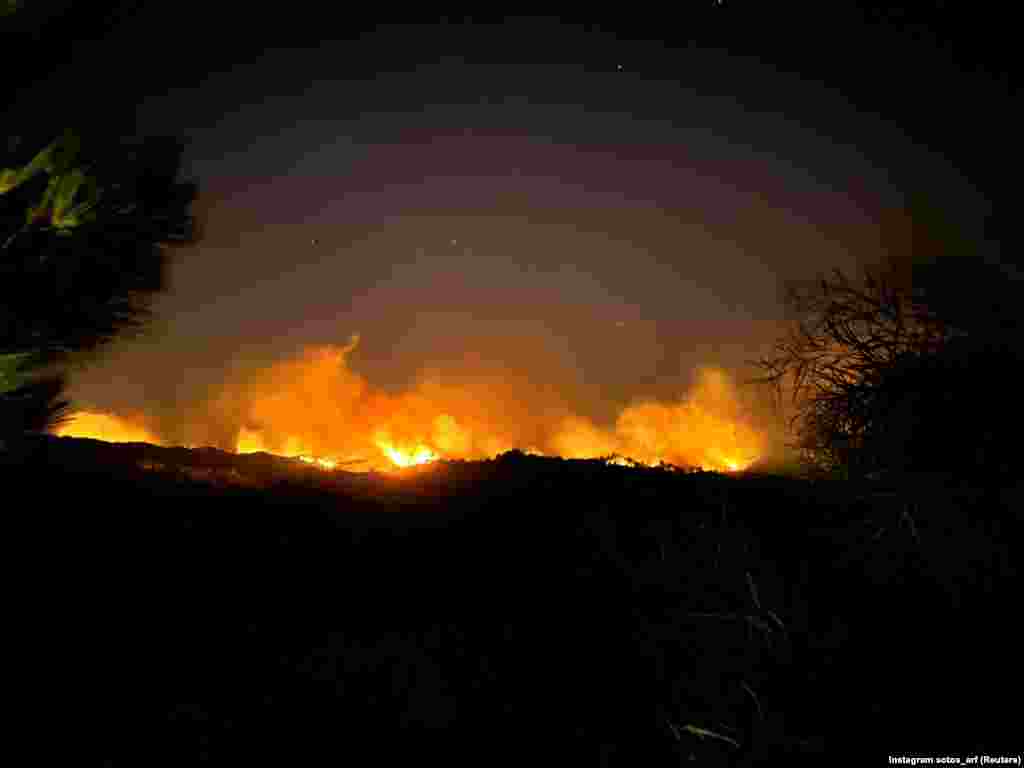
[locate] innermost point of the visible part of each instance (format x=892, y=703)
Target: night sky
x=581, y=206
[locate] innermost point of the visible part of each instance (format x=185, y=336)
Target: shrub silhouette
x=896, y=374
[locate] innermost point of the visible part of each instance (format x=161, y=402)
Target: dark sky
x=588, y=203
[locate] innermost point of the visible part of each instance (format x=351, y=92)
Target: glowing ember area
x=318, y=411
x=622, y=461
x=322, y=463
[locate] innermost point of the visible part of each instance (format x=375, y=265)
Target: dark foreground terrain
x=175, y=607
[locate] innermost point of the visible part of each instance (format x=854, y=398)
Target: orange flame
x=106, y=427
x=318, y=411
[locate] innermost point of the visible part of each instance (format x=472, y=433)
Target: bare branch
x=845, y=339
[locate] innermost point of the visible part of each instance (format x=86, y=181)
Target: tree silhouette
x=84, y=223
x=895, y=371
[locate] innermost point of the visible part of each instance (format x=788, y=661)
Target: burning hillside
x=317, y=409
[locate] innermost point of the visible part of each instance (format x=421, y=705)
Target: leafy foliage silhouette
x=84, y=223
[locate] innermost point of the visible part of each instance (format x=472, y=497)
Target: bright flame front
x=315, y=409
x=420, y=455
x=106, y=427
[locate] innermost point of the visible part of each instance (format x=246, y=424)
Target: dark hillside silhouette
x=616, y=615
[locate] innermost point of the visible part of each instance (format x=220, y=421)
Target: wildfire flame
x=317, y=411
x=106, y=427
x=421, y=455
